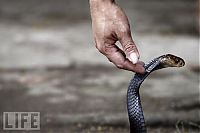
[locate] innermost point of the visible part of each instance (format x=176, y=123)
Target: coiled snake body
x=135, y=113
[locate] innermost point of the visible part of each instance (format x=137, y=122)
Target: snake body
x=135, y=113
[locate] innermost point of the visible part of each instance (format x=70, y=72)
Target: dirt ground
x=93, y=98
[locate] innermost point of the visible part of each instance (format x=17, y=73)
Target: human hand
x=110, y=24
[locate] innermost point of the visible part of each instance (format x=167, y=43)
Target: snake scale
x=135, y=113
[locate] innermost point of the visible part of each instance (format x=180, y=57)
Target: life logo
x=21, y=120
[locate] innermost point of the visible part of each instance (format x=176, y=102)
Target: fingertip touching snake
x=135, y=113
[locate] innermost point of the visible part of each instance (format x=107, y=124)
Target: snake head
x=170, y=60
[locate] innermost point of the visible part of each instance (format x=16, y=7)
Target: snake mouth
x=172, y=61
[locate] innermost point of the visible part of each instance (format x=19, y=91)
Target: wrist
x=98, y=7
x=101, y=1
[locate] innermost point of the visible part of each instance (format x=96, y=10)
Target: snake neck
x=136, y=117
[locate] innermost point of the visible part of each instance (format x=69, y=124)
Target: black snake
x=135, y=113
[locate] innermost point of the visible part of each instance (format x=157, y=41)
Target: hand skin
x=110, y=24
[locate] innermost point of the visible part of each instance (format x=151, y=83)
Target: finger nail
x=134, y=58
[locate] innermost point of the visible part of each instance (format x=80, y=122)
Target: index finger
x=117, y=57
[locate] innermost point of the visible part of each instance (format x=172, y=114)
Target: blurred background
x=49, y=64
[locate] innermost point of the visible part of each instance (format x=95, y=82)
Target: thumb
x=130, y=48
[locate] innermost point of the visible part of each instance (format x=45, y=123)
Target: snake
x=134, y=107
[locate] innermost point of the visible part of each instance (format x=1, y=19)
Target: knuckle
x=129, y=46
x=100, y=48
x=125, y=30
x=119, y=65
x=105, y=48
